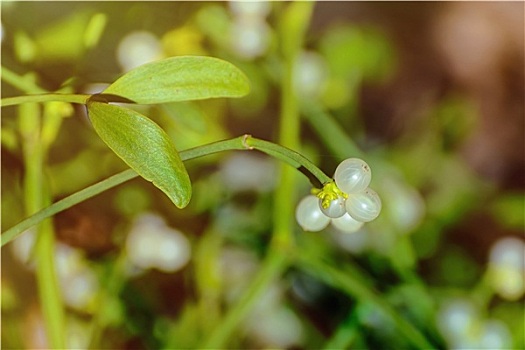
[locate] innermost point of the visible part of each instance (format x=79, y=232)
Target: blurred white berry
x=310, y=75
x=463, y=327
x=250, y=39
x=276, y=327
x=506, y=270
x=78, y=281
x=454, y=319
x=250, y=9
x=243, y=172
x=22, y=247
x=153, y=244
x=138, y=48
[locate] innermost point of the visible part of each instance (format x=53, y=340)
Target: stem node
x=245, y=139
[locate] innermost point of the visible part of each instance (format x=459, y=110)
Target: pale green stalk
x=36, y=197
x=293, y=25
x=70, y=98
x=48, y=286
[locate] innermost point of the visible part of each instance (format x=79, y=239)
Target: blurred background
x=431, y=93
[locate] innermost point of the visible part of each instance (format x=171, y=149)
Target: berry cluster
x=347, y=203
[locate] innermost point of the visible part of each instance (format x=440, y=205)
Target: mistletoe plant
x=149, y=152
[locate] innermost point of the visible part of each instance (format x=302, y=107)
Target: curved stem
x=293, y=158
x=71, y=98
x=245, y=142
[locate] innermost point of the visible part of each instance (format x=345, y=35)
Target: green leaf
x=181, y=78
x=144, y=146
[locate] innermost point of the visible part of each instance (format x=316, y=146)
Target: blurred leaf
x=25, y=48
x=66, y=39
x=180, y=78
x=455, y=190
x=54, y=112
x=9, y=139
x=214, y=22
x=457, y=268
x=403, y=255
x=94, y=29
x=259, y=95
x=358, y=53
x=144, y=146
x=508, y=210
x=132, y=200
x=77, y=171
x=10, y=300
x=186, y=40
x=293, y=24
x=182, y=334
x=61, y=41
x=456, y=117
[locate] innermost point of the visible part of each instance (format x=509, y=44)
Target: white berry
x=347, y=224
x=352, y=175
x=309, y=214
x=335, y=209
x=364, y=206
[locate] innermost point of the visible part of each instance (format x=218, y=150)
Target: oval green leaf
x=181, y=78
x=144, y=146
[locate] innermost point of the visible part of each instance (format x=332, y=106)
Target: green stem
x=292, y=28
x=66, y=203
x=245, y=142
x=70, y=98
x=48, y=286
x=293, y=158
x=36, y=197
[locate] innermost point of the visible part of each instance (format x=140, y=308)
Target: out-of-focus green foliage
x=400, y=282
